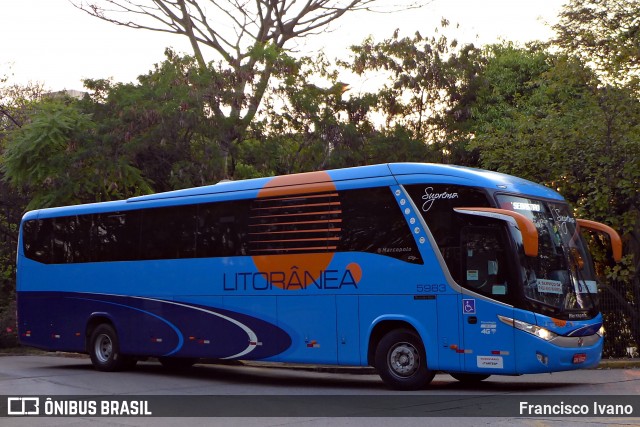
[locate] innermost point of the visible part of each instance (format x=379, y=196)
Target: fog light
x=543, y=358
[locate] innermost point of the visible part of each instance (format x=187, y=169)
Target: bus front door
x=488, y=343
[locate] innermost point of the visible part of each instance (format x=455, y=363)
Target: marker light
x=543, y=333
x=601, y=331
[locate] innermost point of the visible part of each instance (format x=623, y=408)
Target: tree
x=429, y=84
x=58, y=159
x=249, y=41
x=162, y=123
x=604, y=33
x=17, y=102
x=548, y=117
x=317, y=124
x=309, y=126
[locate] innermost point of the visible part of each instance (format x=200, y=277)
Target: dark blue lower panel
x=146, y=326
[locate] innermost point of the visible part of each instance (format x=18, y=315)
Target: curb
x=619, y=364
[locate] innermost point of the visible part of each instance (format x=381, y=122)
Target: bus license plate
x=579, y=358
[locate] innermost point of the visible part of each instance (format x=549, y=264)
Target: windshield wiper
x=582, y=282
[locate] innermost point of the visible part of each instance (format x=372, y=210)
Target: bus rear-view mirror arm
x=614, y=237
x=525, y=225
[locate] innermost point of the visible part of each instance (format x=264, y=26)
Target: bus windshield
x=561, y=279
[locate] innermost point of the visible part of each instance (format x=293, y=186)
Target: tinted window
x=367, y=220
x=221, y=229
x=436, y=203
x=57, y=240
x=36, y=235
x=484, y=265
x=116, y=236
x=373, y=222
x=168, y=233
x=71, y=240
x=475, y=249
x=304, y=223
x=363, y=220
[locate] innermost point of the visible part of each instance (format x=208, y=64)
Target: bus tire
x=104, y=350
x=469, y=378
x=401, y=360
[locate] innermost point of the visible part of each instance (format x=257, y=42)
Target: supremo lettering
x=430, y=197
x=291, y=280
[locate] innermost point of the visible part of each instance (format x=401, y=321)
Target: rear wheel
x=104, y=350
x=401, y=360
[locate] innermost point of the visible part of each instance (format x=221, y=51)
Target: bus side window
x=168, y=233
x=484, y=266
x=72, y=239
x=117, y=236
x=59, y=240
x=372, y=222
x=436, y=203
x=37, y=235
x=221, y=229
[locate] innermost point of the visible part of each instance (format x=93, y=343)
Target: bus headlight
x=601, y=331
x=543, y=333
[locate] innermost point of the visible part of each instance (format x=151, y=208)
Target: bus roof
x=476, y=177
x=401, y=171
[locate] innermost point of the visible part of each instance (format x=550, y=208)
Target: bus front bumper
x=560, y=353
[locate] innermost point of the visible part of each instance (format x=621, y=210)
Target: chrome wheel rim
x=103, y=348
x=404, y=360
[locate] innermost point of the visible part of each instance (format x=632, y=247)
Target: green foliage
x=58, y=159
x=16, y=105
x=604, y=34
x=397, y=144
x=428, y=89
x=307, y=121
x=547, y=117
x=164, y=125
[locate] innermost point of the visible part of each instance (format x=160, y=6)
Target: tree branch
x=10, y=117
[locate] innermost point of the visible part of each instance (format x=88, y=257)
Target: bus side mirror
x=614, y=237
x=525, y=225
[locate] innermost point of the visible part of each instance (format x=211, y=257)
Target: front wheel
x=104, y=350
x=401, y=361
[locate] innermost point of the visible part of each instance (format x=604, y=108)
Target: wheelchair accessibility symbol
x=469, y=306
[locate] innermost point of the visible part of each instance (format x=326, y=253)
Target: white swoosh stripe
x=253, y=338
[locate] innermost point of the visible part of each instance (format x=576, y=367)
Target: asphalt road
x=293, y=397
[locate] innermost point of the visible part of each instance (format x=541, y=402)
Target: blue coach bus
x=410, y=268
